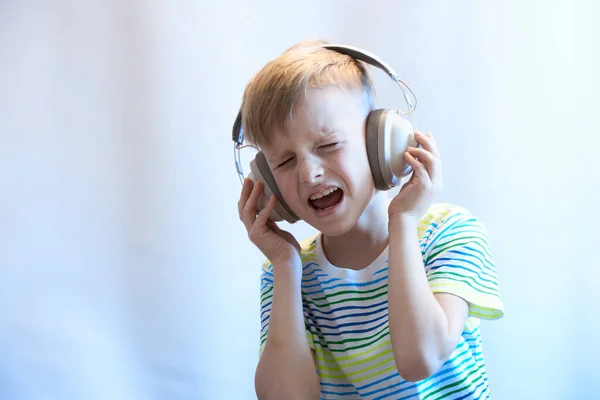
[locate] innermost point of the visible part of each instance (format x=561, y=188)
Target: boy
x=385, y=301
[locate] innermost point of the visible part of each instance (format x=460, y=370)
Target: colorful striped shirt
x=346, y=313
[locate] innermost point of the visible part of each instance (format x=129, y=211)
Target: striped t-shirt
x=346, y=313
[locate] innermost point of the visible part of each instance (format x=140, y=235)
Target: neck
x=359, y=247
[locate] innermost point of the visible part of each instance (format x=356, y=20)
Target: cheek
x=355, y=165
x=287, y=187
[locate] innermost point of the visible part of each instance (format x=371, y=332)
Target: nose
x=311, y=170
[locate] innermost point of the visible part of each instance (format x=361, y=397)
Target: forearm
x=419, y=328
x=286, y=369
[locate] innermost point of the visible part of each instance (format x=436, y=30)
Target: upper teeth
x=325, y=192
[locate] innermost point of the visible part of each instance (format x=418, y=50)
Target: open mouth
x=327, y=199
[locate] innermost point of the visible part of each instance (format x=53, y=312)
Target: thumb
x=273, y=226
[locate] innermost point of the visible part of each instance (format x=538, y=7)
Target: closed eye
x=330, y=145
x=284, y=163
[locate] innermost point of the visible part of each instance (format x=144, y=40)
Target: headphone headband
x=364, y=56
x=237, y=135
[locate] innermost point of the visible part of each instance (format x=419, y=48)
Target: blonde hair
x=271, y=95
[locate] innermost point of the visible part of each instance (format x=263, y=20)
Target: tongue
x=327, y=201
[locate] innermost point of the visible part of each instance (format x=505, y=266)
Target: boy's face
x=321, y=165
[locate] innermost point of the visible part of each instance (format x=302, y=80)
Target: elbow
x=418, y=361
x=268, y=388
x=417, y=368
x=277, y=392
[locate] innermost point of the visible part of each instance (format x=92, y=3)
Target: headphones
x=388, y=135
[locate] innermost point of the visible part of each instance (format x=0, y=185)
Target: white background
x=124, y=271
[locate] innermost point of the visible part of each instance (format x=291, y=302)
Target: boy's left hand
x=418, y=193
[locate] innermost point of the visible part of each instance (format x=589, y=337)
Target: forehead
x=321, y=112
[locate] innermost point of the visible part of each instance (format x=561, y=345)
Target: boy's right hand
x=277, y=245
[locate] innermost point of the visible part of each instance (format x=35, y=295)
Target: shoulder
x=309, y=245
x=446, y=223
x=451, y=230
x=458, y=259
x=308, y=253
x=446, y=215
x=440, y=212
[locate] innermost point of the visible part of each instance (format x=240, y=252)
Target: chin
x=337, y=224
x=333, y=230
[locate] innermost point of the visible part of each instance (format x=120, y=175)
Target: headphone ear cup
x=261, y=171
x=388, y=137
x=263, y=200
x=372, y=139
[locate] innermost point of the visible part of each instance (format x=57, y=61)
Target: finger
x=245, y=194
x=427, y=142
x=432, y=165
x=427, y=159
x=251, y=205
x=284, y=234
x=265, y=213
x=419, y=169
x=273, y=226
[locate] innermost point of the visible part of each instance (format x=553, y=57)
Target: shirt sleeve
x=458, y=260
x=266, y=301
